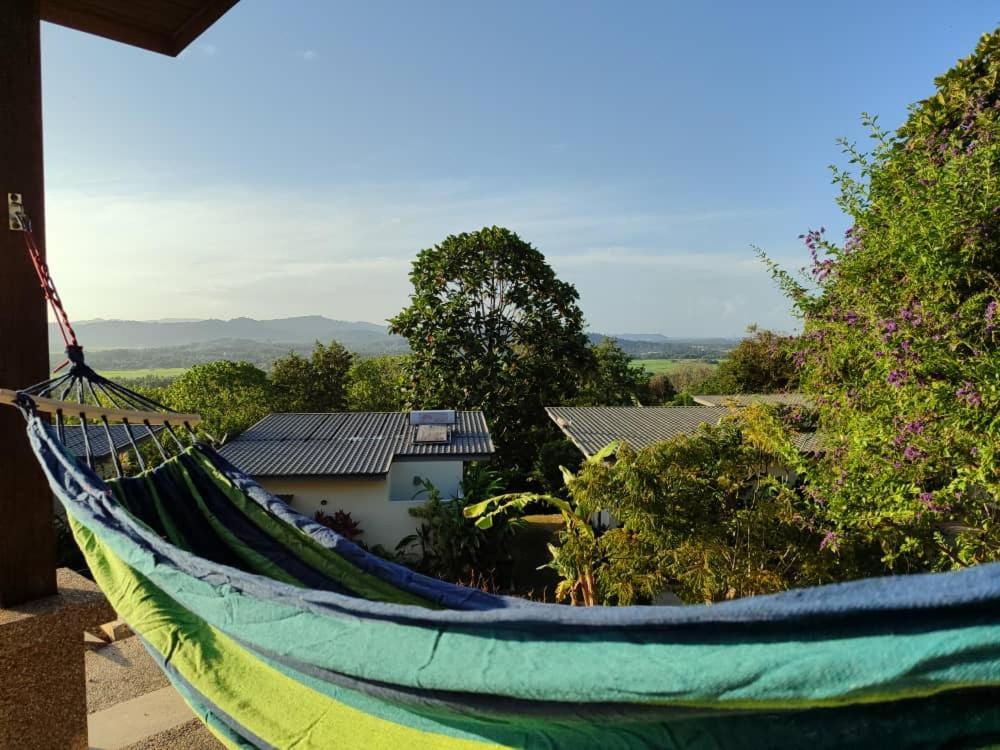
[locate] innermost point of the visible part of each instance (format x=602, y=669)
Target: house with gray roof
x=590, y=428
x=369, y=464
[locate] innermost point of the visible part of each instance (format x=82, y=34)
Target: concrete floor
x=190, y=736
x=132, y=706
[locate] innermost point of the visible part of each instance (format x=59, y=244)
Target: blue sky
x=296, y=157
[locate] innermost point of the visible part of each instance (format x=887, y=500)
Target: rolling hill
x=181, y=343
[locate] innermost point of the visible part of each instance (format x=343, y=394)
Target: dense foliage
x=703, y=515
x=611, y=379
x=316, y=384
x=377, y=384
x=763, y=362
x=230, y=396
x=901, y=348
x=660, y=389
x=491, y=327
x=689, y=377
x=450, y=546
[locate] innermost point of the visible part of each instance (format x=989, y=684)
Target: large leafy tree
x=316, y=384
x=902, y=331
x=230, y=396
x=490, y=326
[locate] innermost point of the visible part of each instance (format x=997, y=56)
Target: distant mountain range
x=144, y=344
x=149, y=334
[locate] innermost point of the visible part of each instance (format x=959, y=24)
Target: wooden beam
x=155, y=26
x=197, y=24
x=71, y=409
x=64, y=14
x=27, y=538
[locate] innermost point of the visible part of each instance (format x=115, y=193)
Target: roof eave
x=68, y=13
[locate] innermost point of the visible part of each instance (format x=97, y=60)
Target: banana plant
x=579, y=554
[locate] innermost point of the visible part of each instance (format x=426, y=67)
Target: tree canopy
x=316, y=384
x=490, y=326
x=377, y=384
x=611, y=379
x=230, y=396
x=762, y=362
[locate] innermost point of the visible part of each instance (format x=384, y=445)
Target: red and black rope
x=73, y=348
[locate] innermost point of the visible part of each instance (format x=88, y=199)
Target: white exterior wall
x=380, y=505
x=445, y=475
x=367, y=500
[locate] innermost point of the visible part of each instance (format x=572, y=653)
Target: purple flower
x=911, y=314
x=852, y=239
x=829, y=540
x=969, y=394
x=815, y=496
x=851, y=318
x=927, y=500
x=912, y=453
x=896, y=378
x=890, y=326
x=991, y=315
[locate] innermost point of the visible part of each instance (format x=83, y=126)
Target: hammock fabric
x=280, y=633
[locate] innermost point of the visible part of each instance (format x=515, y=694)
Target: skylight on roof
x=433, y=433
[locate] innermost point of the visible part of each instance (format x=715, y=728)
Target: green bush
x=450, y=546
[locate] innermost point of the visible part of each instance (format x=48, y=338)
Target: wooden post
x=27, y=544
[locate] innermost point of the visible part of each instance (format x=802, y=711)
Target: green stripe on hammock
x=274, y=707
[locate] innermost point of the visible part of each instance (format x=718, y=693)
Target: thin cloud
x=309, y=55
x=346, y=253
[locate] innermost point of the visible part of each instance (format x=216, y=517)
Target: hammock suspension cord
x=49, y=290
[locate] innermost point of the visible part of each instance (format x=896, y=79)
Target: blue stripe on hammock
x=252, y=535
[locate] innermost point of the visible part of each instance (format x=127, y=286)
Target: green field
x=668, y=366
x=155, y=372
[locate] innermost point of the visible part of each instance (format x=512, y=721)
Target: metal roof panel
x=591, y=428
x=347, y=443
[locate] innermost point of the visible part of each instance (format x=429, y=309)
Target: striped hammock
x=280, y=633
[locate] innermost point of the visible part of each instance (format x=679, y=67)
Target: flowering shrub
x=901, y=343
